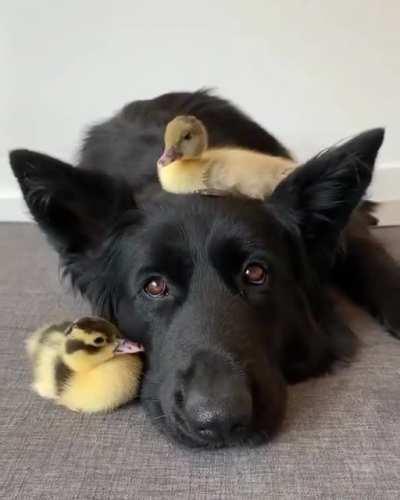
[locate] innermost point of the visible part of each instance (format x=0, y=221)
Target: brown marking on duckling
x=93, y=324
x=62, y=374
x=61, y=327
x=46, y=334
x=74, y=345
x=46, y=337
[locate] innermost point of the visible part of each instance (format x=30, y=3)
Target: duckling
x=187, y=165
x=80, y=365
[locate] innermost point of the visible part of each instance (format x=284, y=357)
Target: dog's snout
x=216, y=403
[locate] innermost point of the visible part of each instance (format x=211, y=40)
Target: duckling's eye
x=99, y=340
x=156, y=288
x=187, y=137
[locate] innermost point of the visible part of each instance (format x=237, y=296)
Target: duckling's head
x=185, y=137
x=91, y=341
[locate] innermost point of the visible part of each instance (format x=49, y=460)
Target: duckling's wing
x=243, y=171
x=51, y=336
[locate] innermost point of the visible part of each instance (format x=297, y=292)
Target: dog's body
x=230, y=297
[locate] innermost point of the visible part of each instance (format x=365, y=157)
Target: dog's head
x=224, y=293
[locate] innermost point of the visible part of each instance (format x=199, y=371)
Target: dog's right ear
x=320, y=196
x=74, y=207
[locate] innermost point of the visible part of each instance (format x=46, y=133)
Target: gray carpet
x=341, y=438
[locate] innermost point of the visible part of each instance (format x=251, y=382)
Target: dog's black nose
x=225, y=418
x=216, y=402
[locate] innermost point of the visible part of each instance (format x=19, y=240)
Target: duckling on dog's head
x=89, y=342
x=185, y=137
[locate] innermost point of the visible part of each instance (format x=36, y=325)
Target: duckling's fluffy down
x=102, y=388
x=105, y=387
x=44, y=347
x=232, y=170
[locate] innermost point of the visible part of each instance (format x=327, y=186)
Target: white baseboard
x=386, y=183
x=385, y=188
x=388, y=213
x=13, y=209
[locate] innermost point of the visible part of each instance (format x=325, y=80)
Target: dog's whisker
x=152, y=400
x=158, y=418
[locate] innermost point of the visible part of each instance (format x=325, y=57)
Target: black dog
x=229, y=296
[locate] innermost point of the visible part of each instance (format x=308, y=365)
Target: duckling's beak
x=170, y=154
x=125, y=346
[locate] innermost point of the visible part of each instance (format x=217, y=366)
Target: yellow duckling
x=187, y=166
x=85, y=365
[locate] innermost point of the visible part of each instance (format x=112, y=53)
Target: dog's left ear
x=319, y=196
x=74, y=207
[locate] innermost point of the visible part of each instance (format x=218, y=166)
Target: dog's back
x=130, y=143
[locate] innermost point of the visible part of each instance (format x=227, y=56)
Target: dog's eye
x=255, y=274
x=156, y=287
x=99, y=340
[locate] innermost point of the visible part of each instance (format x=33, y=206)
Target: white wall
x=311, y=71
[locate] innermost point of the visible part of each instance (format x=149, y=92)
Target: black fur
x=219, y=351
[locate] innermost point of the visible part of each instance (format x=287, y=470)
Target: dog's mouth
x=175, y=428
x=184, y=436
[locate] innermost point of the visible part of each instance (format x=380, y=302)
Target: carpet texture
x=341, y=438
